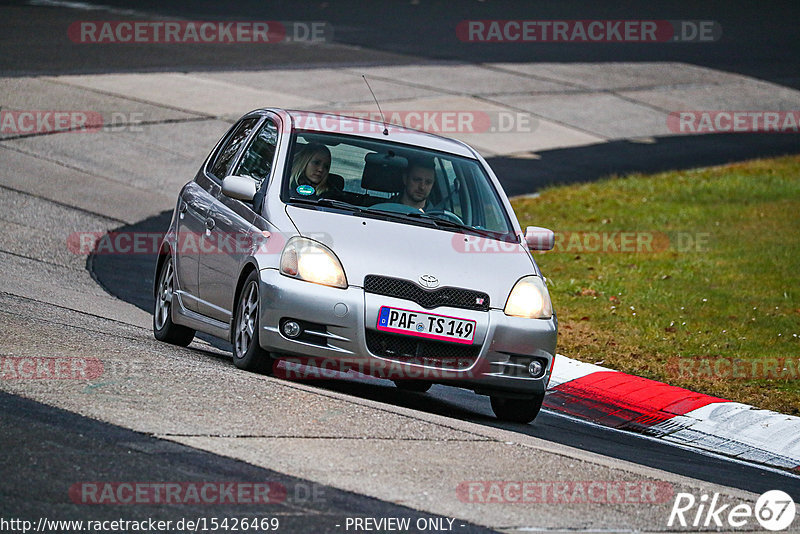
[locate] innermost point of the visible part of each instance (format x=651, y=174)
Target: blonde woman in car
x=312, y=166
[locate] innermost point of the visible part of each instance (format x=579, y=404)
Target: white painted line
x=566, y=369
x=684, y=446
x=741, y=430
x=729, y=429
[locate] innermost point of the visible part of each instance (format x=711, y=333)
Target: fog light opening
x=535, y=368
x=292, y=329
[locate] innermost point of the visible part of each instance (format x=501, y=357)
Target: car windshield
x=404, y=183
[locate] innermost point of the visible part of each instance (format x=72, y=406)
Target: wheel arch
x=164, y=252
x=248, y=268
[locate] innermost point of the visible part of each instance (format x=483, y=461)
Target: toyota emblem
x=428, y=280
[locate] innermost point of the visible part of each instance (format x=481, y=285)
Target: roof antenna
x=385, y=129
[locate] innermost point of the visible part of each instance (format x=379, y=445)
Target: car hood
x=373, y=246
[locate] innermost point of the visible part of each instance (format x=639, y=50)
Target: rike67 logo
x=774, y=510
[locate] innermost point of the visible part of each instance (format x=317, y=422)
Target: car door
x=194, y=207
x=234, y=225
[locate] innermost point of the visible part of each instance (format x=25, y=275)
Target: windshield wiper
x=446, y=223
x=328, y=203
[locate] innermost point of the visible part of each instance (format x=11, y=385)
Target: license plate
x=426, y=325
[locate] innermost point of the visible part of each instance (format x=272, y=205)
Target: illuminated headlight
x=313, y=262
x=529, y=299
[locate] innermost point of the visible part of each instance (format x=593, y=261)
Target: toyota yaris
x=311, y=239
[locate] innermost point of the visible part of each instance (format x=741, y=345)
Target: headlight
x=529, y=299
x=313, y=262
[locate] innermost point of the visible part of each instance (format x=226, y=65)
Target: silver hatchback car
x=316, y=241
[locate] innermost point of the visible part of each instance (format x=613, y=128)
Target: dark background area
x=759, y=39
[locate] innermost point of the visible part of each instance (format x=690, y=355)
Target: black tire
x=516, y=410
x=419, y=386
x=247, y=352
x=163, y=327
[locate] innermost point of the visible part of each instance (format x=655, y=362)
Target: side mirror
x=239, y=187
x=539, y=238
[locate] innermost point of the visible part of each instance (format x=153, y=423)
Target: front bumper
x=339, y=332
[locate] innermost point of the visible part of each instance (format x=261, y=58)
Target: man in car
x=417, y=183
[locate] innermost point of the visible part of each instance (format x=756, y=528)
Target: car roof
x=330, y=123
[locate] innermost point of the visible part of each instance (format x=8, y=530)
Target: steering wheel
x=446, y=214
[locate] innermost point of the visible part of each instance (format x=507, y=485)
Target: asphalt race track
x=340, y=449
x=131, y=279
x=37, y=430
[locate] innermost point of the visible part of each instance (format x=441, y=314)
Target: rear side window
x=224, y=160
x=257, y=159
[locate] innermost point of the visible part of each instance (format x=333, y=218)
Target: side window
x=222, y=163
x=487, y=209
x=452, y=194
x=257, y=159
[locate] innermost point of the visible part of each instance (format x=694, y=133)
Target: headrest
x=383, y=172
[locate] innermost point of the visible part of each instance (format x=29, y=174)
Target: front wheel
x=247, y=352
x=516, y=410
x=163, y=327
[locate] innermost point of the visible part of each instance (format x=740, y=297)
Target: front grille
x=408, y=349
x=455, y=297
